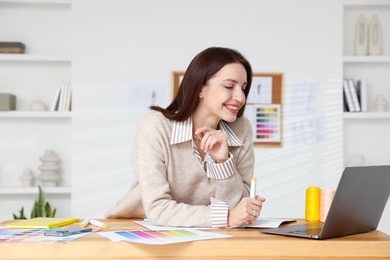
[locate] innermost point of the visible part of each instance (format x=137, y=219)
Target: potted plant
x=41, y=208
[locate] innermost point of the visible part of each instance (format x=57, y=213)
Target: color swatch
x=267, y=118
x=161, y=237
x=32, y=236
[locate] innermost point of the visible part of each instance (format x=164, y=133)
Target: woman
x=194, y=160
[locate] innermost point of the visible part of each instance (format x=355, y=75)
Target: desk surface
x=245, y=244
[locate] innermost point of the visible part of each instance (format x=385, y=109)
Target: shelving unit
x=35, y=57
x=366, y=59
x=44, y=26
x=367, y=115
x=32, y=114
x=366, y=133
x=34, y=190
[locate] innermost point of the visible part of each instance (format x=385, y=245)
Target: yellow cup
x=312, y=212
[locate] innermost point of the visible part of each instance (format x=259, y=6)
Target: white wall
x=122, y=47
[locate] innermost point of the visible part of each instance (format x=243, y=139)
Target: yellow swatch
x=42, y=223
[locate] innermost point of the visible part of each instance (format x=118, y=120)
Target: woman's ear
x=202, y=92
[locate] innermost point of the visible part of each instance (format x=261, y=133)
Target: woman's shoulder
x=154, y=119
x=241, y=126
x=241, y=122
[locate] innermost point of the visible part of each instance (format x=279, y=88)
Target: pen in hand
x=253, y=188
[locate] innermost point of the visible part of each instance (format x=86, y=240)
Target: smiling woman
x=194, y=160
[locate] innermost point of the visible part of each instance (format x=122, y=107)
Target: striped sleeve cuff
x=219, y=213
x=220, y=171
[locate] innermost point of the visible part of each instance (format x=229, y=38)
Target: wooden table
x=245, y=244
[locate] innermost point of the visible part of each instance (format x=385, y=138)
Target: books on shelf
x=62, y=99
x=349, y=107
x=355, y=95
x=12, y=47
x=361, y=88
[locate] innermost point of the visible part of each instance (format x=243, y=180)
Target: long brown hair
x=203, y=67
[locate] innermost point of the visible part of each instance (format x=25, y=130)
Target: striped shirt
x=172, y=188
x=182, y=132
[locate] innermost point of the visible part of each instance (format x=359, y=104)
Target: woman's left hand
x=214, y=142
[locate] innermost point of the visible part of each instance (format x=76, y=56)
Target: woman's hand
x=246, y=212
x=214, y=142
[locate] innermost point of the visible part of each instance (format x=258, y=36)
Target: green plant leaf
x=41, y=208
x=41, y=202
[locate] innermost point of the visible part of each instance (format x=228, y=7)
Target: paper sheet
x=8, y=235
x=149, y=226
x=161, y=237
x=269, y=223
x=260, y=223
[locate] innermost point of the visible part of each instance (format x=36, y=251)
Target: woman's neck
x=199, y=120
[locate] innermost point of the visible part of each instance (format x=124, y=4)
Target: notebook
x=42, y=222
x=357, y=207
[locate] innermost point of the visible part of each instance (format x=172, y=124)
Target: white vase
x=375, y=36
x=361, y=36
x=50, y=169
x=27, y=178
x=37, y=105
x=380, y=103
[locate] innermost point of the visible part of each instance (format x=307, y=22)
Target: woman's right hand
x=246, y=211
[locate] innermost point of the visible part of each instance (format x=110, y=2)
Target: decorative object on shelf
x=7, y=102
x=380, y=103
x=50, y=169
x=12, y=47
x=37, y=105
x=358, y=159
x=361, y=36
x=375, y=36
x=41, y=208
x=27, y=178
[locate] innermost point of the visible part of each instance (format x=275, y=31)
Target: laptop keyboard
x=314, y=231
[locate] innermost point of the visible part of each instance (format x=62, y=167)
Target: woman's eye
x=228, y=86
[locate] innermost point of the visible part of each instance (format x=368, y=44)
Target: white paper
x=261, y=90
x=149, y=226
x=268, y=223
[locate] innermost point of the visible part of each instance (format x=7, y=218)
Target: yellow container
x=313, y=195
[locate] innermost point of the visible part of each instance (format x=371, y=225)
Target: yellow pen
x=253, y=188
x=84, y=223
x=97, y=223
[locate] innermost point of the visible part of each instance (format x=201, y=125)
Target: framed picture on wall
x=264, y=107
x=177, y=78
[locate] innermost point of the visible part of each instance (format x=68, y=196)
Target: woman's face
x=223, y=95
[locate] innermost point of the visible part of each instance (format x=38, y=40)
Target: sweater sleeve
x=236, y=186
x=149, y=164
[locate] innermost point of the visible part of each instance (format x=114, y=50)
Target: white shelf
x=366, y=115
x=31, y=114
x=366, y=3
x=35, y=57
x=367, y=59
x=34, y=190
x=35, y=1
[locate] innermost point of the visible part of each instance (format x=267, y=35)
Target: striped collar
x=182, y=132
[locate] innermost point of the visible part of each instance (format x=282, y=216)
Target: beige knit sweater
x=171, y=187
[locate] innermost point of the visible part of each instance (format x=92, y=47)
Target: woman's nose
x=239, y=94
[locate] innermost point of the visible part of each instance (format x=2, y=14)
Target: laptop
x=357, y=206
